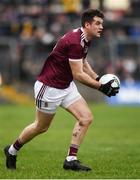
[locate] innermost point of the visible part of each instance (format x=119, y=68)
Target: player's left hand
x=115, y=90
x=108, y=90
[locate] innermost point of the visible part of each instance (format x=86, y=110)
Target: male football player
x=55, y=87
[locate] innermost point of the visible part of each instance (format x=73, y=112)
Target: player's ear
x=87, y=25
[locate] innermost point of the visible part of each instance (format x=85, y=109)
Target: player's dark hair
x=89, y=14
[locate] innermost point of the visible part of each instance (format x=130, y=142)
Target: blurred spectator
x=43, y=36
x=36, y=24
x=134, y=31
x=71, y=6
x=86, y=4
x=27, y=30
x=129, y=65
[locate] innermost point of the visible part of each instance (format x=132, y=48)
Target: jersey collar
x=84, y=34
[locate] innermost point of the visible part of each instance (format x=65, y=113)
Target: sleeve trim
x=75, y=59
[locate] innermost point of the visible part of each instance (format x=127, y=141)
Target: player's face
x=95, y=28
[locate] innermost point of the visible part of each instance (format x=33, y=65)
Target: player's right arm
x=80, y=75
x=75, y=56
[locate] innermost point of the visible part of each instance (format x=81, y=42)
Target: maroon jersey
x=56, y=71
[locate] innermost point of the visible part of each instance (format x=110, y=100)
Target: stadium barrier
x=129, y=94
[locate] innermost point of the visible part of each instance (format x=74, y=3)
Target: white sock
x=12, y=150
x=71, y=158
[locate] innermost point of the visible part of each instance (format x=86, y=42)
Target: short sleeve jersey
x=56, y=71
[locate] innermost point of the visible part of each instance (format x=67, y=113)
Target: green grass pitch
x=111, y=147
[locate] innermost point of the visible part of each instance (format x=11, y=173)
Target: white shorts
x=49, y=98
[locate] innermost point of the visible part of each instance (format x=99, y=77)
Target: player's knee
x=43, y=130
x=87, y=120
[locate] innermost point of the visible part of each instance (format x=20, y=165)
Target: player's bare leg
x=84, y=118
x=41, y=124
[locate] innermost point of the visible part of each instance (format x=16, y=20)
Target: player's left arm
x=88, y=69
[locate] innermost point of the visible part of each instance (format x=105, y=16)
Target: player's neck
x=87, y=38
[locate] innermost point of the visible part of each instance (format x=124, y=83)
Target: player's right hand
x=108, y=90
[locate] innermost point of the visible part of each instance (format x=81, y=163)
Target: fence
x=23, y=61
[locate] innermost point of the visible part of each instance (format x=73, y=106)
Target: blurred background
x=29, y=30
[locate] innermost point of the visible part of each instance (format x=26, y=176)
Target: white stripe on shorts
x=40, y=95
